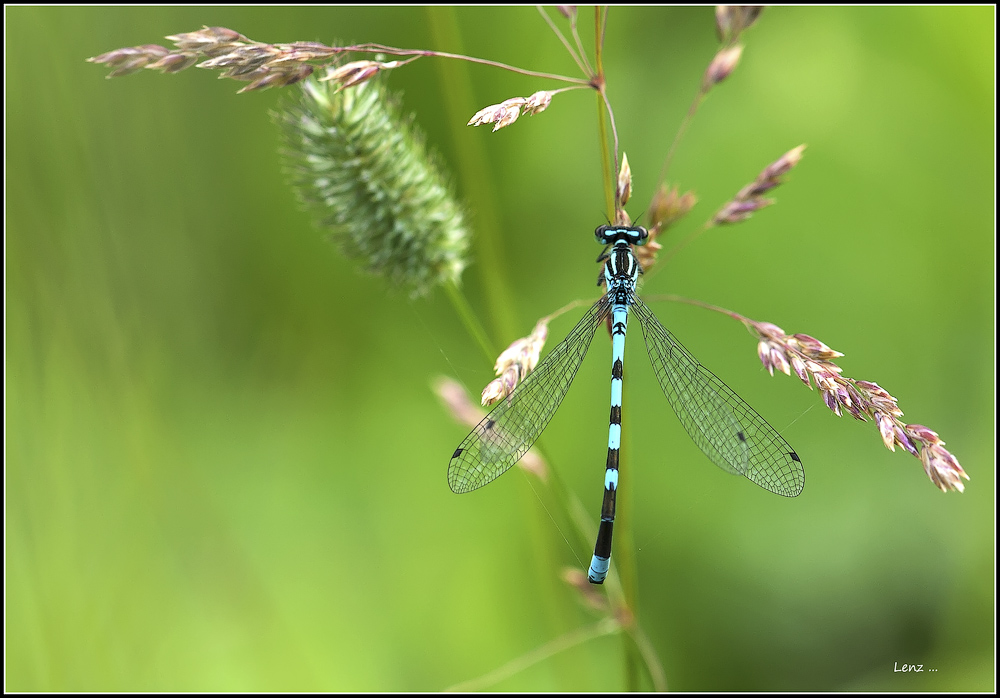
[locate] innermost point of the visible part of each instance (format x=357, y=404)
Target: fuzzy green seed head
x=368, y=177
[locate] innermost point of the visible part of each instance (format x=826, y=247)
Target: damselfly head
x=610, y=234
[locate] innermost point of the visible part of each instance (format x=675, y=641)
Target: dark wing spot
x=741, y=436
x=457, y=453
x=794, y=456
x=489, y=425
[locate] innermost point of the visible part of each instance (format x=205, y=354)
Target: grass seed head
x=863, y=400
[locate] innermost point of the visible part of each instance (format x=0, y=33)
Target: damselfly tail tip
x=598, y=571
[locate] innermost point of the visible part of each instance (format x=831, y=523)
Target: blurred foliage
x=225, y=469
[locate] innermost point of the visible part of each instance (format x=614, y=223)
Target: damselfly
x=723, y=426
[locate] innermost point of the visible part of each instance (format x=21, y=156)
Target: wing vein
x=509, y=430
x=720, y=423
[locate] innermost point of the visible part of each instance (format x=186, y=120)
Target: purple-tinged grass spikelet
x=218, y=48
x=567, y=11
x=722, y=66
x=537, y=102
x=731, y=20
x=863, y=400
x=750, y=198
x=507, y=112
x=356, y=72
x=126, y=61
x=667, y=207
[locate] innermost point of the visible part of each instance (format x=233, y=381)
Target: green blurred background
x=226, y=469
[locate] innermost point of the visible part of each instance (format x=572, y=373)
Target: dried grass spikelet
x=669, y=206
x=722, y=66
x=520, y=358
x=666, y=208
x=132, y=59
x=507, y=112
x=623, y=188
x=812, y=359
x=731, y=20
x=218, y=48
x=750, y=198
x=368, y=177
x=356, y=72
x=516, y=362
x=567, y=11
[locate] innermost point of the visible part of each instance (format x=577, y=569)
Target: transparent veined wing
x=721, y=424
x=509, y=430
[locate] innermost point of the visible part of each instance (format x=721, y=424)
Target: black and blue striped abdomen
x=621, y=272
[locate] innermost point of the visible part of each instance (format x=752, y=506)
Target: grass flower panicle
x=730, y=21
x=750, y=198
x=666, y=208
x=516, y=362
x=508, y=111
x=218, y=48
x=132, y=59
x=811, y=360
